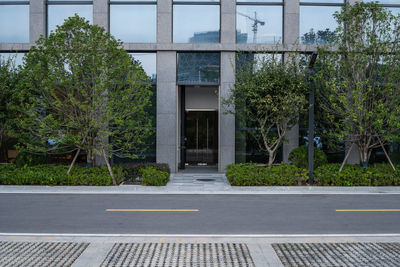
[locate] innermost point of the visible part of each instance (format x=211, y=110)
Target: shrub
x=50, y=174
x=152, y=176
x=25, y=158
x=354, y=175
x=131, y=171
x=248, y=174
x=299, y=157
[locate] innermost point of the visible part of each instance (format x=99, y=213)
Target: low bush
x=249, y=174
x=152, y=176
x=299, y=157
x=355, y=175
x=132, y=171
x=50, y=174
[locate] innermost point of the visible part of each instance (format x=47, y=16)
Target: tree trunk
x=73, y=161
x=109, y=168
x=89, y=159
x=346, y=157
x=271, y=158
x=363, y=156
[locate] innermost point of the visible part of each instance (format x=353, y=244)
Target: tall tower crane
x=255, y=24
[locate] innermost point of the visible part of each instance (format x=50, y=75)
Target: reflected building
x=188, y=49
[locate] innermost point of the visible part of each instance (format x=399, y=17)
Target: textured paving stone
x=338, y=254
x=179, y=255
x=40, y=253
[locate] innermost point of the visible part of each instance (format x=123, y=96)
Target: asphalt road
x=208, y=214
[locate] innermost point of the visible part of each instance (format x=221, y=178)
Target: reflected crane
x=255, y=24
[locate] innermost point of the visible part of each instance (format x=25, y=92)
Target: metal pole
x=311, y=122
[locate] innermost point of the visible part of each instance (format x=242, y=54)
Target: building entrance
x=201, y=138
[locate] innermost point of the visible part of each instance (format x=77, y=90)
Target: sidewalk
x=199, y=251
x=199, y=183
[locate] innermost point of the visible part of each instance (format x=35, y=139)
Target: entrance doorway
x=198, y=138
x=201, y=138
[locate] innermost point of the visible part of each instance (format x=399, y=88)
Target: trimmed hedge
x=249, y=174
x=152, y=176
x=50, y=174
x=132, y=171
x=355, y=175
x=299, y=157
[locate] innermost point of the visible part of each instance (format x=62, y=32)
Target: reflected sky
x=58, y=13
x=322, y=1
x=258, y=1
x=17, y=57
x=148, y=62
x=269, y=33
x=393, y=2
x=134, y=23
x=14, y=23
x=317, y=18
x=395, y=11
x=196, y=24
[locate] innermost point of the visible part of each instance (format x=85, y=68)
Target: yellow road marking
x=372, y=210
x=156, y=210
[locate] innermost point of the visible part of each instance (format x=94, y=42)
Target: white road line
x=202, y=235
x=202, y=193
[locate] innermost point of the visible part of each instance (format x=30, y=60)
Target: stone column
x=101, y=13
x=164, y=21
x=37, y=19
x=291, y=26
x=226, y=121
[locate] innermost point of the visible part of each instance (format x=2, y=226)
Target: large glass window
x=317, y=24
x=14, y=21
x=196, y=23
x=58, y=12
x=16, y=57
x=259, y=22
x=198, y=68
x=148, y=62
x=134, y=23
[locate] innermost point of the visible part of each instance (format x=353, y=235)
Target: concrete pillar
x=291, y=24
x=226, y=121
x=167, y=119
x=37, y=19
x=101, y=13
x=228, y=21
x=164, y=21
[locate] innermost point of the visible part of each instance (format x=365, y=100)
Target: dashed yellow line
x=372, y=210
x=155, y=210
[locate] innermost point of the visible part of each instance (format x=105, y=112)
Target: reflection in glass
x=14, y=23
x=196, y=24
x=198, y=68
x=58, y=13
x=258, y=1
x=323, y=1
x=148, y=63
x=395, y=10
x=16, y=57
x=317, y=24
x=134, y=23
x=259, y=24
x=255, y=59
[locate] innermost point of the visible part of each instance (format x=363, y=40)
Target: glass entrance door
x=201, y=137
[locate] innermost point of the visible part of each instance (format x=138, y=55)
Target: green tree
x=9, y=74
x=320, y=37
x=85, y=94
x=360, y=78
x=268, y=95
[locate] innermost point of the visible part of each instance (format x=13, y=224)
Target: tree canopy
x=359, y=80
x=84, y=93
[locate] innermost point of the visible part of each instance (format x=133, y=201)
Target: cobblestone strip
x=39, y=254
x=179, y=255
x=338, y=254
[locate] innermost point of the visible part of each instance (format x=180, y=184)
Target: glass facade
x=259, y=24
x=198, y=68
x=16, y=57
x=317, y=25
x=196, y=23
x=14, y=23
x=148, y=63
x=134, y=23
x=57, y=14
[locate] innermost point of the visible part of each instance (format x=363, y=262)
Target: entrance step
x=198, y=181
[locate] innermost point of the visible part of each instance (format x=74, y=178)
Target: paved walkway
x=199, y=183
x=198, y=251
